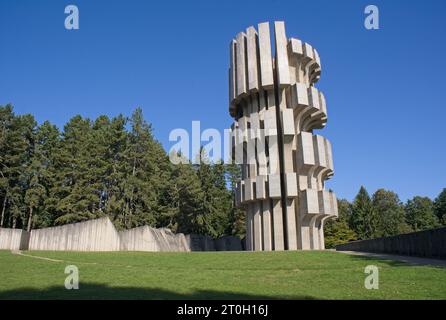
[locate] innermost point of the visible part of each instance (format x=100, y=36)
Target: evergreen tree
x=41, y=175
x=73, y=185
x=216, y=197
x=440, y=206
x=390, y=212
x=363, y=219
x=6, y=117
x=237, y=216
x=420, y=214
x=18, y=140
x=187, y=198
x=112, y=196
x=337, y=231
x=142, y=165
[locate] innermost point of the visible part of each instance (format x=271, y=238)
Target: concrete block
x=291, y=184
x=252, y=52
x=305, y=150
x=288, y=122
x=266, y=64
x=274, y=191
x=232, y=74
x=241, y=66
x=299, y=96
x=309, y=201
x=261, y=187
x=295, y=46
x=282, y=67
x=270, y=122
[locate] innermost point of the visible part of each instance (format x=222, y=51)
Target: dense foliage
x=383, y=215
x=107, y=167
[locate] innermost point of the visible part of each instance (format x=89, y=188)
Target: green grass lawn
x=215, y=275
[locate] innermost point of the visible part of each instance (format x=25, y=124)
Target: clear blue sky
x=385, y=89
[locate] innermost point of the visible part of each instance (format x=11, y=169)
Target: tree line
x=107, y=167
x=115, y=167
x=382, y=215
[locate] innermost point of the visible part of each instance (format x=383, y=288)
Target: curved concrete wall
x=150, y=239
x=92, y=235
x=428, y=243
x=101, y=235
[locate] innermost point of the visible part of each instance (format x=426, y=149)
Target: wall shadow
x=93, y=291
x=408, y=262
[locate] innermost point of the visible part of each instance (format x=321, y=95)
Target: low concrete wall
x=428, y=243
x=228, y=243
x=150, y=239
x=92, y=235
x=199, y=242
x=13, y=239
x=101, y=235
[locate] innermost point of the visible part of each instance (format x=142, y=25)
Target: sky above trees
x=171, y=59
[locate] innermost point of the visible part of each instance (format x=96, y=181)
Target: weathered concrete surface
x=93, y=235
x=284, y=165
x=101, y=235
x=150, y=239
x=13, y=239
x=428, y=243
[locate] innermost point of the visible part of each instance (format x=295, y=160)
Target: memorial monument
x=284, y=165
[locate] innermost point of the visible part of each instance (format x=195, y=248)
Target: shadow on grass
x=103, y=292
x=400, y=261
x=389, y=262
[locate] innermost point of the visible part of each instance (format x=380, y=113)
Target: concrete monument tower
x=276, y=107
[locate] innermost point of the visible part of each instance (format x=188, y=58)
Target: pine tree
x=363, y=220
x=188, y=197
x=18, y=141
x=217, y=198
x=237, y=216
x=44, y=173
x=73, y=189
x=440, y=206
x=6, y=116
x=114, y=179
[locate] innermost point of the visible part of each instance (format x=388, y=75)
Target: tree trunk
x=14, y=222
x=3, y=211
x=30, y=218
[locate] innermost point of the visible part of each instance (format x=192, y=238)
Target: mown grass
x=215, y=275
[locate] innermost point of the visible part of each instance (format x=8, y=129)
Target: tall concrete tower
x=276, y=107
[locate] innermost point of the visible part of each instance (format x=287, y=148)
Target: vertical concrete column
x=257, y=222
x=266, y=221
x=291, y=224
x=279, y=244
x=249, y=228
